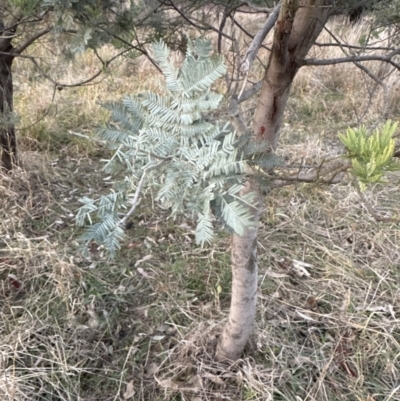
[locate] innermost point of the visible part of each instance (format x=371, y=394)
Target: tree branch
x=138, y=48
x=330, y=173
x=30, y=40
x=135, y=200
x=352, y=59
x=248, y=93
x=60, y=85
x=258, y=39
x=354, y=47
x=366, y=71
x=258, y=8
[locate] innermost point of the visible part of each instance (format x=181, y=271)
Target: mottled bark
x=298, y=26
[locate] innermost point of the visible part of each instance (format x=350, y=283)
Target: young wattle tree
x=205, y=171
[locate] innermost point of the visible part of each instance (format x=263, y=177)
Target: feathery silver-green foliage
x=168, y=150
x=371, y=156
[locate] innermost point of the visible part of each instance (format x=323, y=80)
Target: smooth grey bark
x=244, y=288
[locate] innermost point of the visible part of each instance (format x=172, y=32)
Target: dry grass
x=143, y=326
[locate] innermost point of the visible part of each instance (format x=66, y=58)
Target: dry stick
x=135, y=201
x=117, y=395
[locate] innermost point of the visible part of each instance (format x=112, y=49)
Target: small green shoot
x=371, y=155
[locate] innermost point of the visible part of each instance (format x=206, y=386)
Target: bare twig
x=32, y=39
x=354, y=47
x=258, y=8
x=135, y=200
x=377, y=80
x=341, y=60
x=248, y=93
x=325, y=173
x=258, y=39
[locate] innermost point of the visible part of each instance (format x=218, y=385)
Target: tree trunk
x=296, y=30
x=7, y=129
x=244, y=288
x=298, y=26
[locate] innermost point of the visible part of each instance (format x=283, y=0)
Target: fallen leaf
x=158, y=338
x=147, y=257
x=275, y=275
x=215, y=379
x=152, y=240
x=300, y=268
x=151, y=369
x=143, y=273
x=194, y=383
x=306, y=317
x=130, y=391
x=14, y=281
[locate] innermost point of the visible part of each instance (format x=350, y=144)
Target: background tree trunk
x=7, y=129
x=298, y=26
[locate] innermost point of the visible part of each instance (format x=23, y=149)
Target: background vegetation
x=140, y=327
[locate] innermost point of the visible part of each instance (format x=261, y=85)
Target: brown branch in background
x=60, y=85
x=341, y=60
x=371, y=93
x=193, y=21
x=227, y=13
x=221, y=29
x=258, y=9
x=138, y=48
x=367, y=72
x=32, y=39
x=326, y=173
x=235, y=75
x=353, y=46
x=240, y=26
